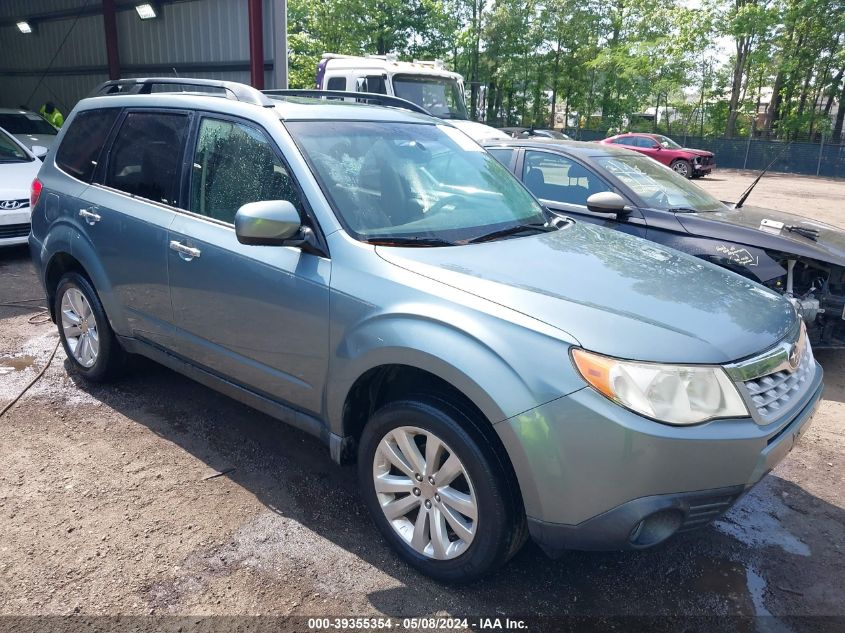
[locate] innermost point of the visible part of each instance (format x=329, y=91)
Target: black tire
x=682, y=167
x=500, y=528
x=111, y=358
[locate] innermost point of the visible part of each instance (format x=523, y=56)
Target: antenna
x=747, y=192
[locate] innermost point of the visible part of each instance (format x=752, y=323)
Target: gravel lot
x=109, y=504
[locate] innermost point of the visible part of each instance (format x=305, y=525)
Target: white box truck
x=425, y=83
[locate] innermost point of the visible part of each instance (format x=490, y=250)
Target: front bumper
x=596, y=476
x=14, y=227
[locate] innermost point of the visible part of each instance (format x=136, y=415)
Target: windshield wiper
x=389, y=240
x=512, y=230
x=682, y=210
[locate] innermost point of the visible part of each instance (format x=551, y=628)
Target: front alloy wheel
x=425, y=492
x=438, y=489
x=682, y=168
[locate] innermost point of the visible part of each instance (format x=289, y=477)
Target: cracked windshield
x=391, y=181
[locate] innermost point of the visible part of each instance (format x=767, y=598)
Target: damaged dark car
x=798, y=257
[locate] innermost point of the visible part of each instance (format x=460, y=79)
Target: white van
x=426, y=83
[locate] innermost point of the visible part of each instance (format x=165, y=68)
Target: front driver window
x=559, y=179
x=235, y=164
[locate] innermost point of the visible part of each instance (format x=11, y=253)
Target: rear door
x=564, y=184
x=257, y=315
x=126, y=212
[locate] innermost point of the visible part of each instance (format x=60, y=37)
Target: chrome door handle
x=187, y=252
x=89, y=216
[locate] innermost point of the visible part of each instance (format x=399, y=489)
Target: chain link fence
x=796, y=157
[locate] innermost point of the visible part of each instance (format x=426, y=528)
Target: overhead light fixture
x=24, y=27
x=146, y=11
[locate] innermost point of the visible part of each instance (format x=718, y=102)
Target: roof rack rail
x=135, y=86
x=371, y=98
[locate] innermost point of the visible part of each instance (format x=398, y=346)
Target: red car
x=689, y=163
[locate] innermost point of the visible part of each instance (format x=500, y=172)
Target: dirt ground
x=112, y=501
x=818, y=198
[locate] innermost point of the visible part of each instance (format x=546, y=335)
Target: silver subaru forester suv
x=372, y=276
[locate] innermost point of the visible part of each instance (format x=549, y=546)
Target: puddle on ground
x=743, y=588
x=9, y=364
x=725, y=578
x=756, y=588
x=755, y=522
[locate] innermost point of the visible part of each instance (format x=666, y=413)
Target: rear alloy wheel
x=438, y=490
x=80, y=328
x=85, y=332
x=682, y=168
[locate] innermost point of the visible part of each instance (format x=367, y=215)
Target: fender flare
x=438, y=347
x=66, y=239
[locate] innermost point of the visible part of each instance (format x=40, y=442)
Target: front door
x=256, y=315
x=563, y=185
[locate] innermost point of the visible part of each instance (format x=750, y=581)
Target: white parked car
x=30, y=128
x=18, y=168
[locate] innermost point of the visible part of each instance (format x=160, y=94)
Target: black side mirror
x=608, y=202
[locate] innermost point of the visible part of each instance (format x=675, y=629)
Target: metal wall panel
x=84, y=45
x=63, y=90
x=22, y=8
x=204, y=32
x=207, y=31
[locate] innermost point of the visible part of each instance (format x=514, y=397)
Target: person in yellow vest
x=50, y=112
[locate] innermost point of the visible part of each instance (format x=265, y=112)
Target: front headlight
x=674, y=394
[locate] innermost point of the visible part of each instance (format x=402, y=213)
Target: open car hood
x=743, y=226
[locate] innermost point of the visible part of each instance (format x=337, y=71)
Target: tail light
x=34, y=192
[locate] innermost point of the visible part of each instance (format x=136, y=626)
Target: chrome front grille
x=773, y=394
x=774, y=383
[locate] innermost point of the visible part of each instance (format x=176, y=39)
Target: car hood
x=614, y=293
x=743, y=226
x=45, y=140
x=478, y=131
x=696, y=152
x=16, y=178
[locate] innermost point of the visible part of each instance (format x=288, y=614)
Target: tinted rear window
x=25, y=123
x=145, y=159
x=81, y=146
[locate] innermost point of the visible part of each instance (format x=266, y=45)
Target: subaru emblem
x=794, y=356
